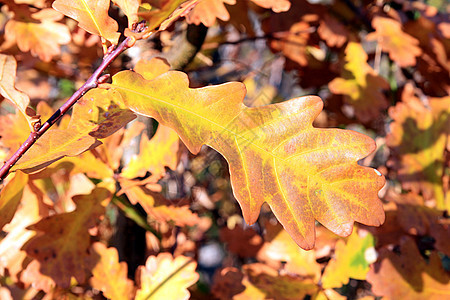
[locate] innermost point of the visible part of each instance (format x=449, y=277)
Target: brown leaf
x=243, y=242
x=62, y=241
x=402, y=48
x=361, y=86
x=207, y=11
x=408, y=276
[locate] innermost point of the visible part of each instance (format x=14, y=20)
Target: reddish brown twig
x=91, y=83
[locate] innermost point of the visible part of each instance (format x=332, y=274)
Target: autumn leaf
x=418, y=140
x=275, y=5
x=408, y=275
x=30, y=210
x=352, y=260
x=91, y=16
x=110, y=276
x=263, y=282
x=332, y=31
x=361, y=86
x=10, y=197
x=207, y=11
x=130, y=9
x=62, y=241
x=95, y=116
x=20, y=100
x=155, y=154
x=402, y=48
x=243, y=242
x=280, y=252
x=265, y=147
x=164, y=277
x=159, y=209
x=38, y=33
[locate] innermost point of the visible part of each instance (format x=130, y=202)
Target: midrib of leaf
x=92, y=17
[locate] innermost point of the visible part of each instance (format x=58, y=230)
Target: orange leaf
x=165, y=277
x=408, y=276
x=40, y=34
x=130, y=9
x=402, y=47
x=91, y=16
x=10, y=197
x=274, y=153
x=110, y=276
x=418, y=140
x=62, y=242
x=95, y=116
x=20, y=100
x=280, y=252
x=244, y=242
x=360, y=84
x=155, y=154
x=207, y=11
x=332, y=31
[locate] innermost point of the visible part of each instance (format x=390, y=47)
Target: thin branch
x=91, y=83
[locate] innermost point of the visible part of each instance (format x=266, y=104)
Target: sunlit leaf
x=361, y=86
x=110, y=276
x=95, y=116
x=62, y=241
x=164, y=277
x=130, y=8
x=402, y=48
x=418, y=140
x=155, y=154
x=407, y=275
x=351, y=260
x=265, y=148
x=207, y=11
x=38, y=33
x=10, y=197
x=91, y=16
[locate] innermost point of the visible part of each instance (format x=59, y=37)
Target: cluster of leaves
x=373, y=62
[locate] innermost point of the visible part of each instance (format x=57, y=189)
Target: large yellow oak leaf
x=62, y=241
x=91, y=16
x=39, y=34
x=352, y=260
x=10, y=197
x=95, y=116
x=165, y=277
x=110, y=276
x=408, y=276
x=361, y=86
x=275, y=155
x=402, y=48
x=418, y=140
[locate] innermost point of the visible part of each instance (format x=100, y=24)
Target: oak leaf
x=280, y=252
x=332, y=31
x=165, y=277
x=91, y=16
x=20, y=100
x=352, y=260
x=38, y=33
x=130, y=9
x=110, y=276
x=243, y=242
x=62, y=241
x=402, y=48
x=361, y=86
x=408, y=276
x=207, y=11
x=265, y=148
x=155, y=154
x=263, y=282
x=10, y=197
x=95, y=116
x=418, y=141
